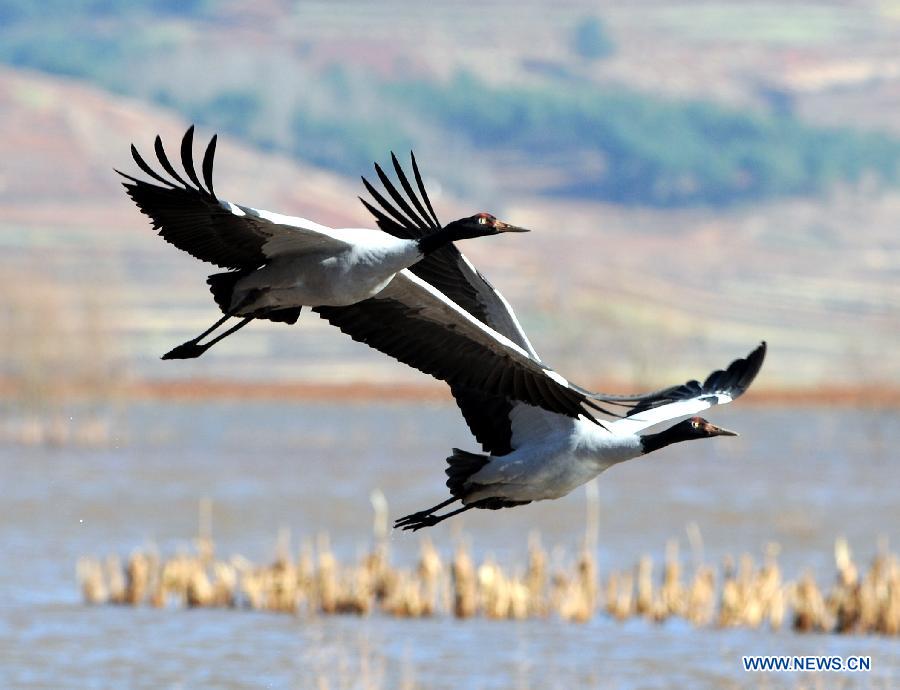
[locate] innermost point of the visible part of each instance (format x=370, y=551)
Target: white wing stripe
x=510, y=315
x=232, y=208
x=493, y=339
x=663, y=413
x=462, y=314
x=294, y=223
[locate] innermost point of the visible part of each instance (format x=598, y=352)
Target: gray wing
x=418, y=325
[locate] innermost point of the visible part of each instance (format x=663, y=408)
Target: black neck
x=651, y=442
x=451, y=233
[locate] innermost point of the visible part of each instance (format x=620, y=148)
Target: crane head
x=485, y=224
x=697, y=427
x=688, y=430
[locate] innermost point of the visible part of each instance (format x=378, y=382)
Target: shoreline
x=205, y=389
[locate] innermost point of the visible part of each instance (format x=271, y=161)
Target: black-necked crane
x=279, y=263
x=535, y=455
x=531, y=454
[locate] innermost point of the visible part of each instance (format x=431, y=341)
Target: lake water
x=796, y=477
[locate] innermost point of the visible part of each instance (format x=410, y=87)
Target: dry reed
x=748, y=595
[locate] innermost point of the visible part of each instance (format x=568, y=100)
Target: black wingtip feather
x=142, y=164
x=754, y=363
x=164, y=161
x=131, y=180
x=189, y=216
x=398, y=217
x=421, y=186
x=734, y=381
x=408, y=220
x=407, y=187
x=398, y=198
x=738, y=376
x=208, y=157
x=382, y=219
x=187, y=156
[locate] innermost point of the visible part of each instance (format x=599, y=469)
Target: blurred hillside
x=639, y=106
x=699, y=176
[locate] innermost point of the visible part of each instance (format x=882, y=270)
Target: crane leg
x=400, y=522
x=192, y=348
x=431, y=520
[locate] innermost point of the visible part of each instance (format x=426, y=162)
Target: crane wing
x=720, y=387
x=418, y=325
x=447, y=269
x=188, y=215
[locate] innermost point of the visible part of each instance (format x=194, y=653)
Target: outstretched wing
x=188, y=214
x=720, y=387
x=447, y=269
x=418, y=325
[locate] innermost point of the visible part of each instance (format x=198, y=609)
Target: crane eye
x=695, y=424
x=482, y=220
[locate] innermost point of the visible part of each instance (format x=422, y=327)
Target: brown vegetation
x=314, y=582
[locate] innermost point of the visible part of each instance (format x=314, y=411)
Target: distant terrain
x=694, y=186
x=573, y=113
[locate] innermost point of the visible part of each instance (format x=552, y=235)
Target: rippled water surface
x=796, y=477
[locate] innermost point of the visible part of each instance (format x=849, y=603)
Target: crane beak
x=713, y=430
x=500, y=226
